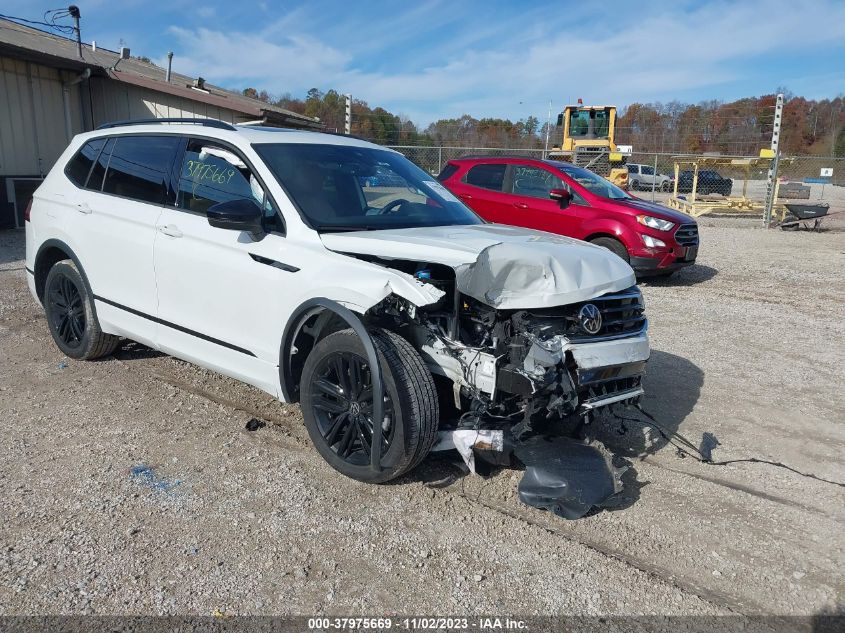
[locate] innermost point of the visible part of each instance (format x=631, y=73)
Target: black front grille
x=622, y=313
x=687, y=235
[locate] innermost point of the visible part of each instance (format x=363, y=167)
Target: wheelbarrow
x=805, y=214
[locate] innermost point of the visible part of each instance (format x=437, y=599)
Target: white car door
x=115, y=229
x=224, y=298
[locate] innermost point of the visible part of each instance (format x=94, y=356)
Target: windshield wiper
x=330, y=228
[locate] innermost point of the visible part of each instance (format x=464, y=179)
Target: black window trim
x=177, y=173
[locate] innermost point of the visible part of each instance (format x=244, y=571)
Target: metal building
x=48, y=93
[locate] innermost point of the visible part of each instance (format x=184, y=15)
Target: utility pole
x=548, y=126
x=348, y=128
x=73, y=10
x=771, y=183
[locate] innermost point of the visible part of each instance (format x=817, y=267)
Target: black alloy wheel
x=66, y=310
x=71, y=315
x=336, y=392
x=343, y=407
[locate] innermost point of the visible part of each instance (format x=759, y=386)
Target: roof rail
x=204, y=122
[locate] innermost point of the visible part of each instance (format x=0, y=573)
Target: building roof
x=24, y=42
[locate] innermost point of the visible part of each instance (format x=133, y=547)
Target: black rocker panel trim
x=174, y=326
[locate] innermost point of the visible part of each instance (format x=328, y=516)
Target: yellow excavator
x=588, y=141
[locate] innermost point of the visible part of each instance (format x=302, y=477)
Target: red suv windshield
x=593, y=183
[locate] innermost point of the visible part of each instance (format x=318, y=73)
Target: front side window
x=212, y=173
x=349, y=188
x=534, y=182
x=139, y=167
x=79, y=166
x=488, y=176
x=647, y=171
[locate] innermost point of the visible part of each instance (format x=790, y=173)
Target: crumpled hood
x=505, y=267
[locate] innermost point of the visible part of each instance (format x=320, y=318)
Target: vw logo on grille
x=589, y=317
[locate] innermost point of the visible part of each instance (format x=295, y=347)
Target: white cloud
x=491, y=65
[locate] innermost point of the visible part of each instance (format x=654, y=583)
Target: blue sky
x=444, y=58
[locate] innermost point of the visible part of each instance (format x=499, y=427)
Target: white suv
x=643, y=177
x=292, y=260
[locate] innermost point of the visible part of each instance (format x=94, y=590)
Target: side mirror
x=237, y=215
x=562, y=196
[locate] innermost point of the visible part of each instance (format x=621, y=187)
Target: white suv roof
x=242, y=132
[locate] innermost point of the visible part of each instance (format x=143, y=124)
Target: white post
x=548, y=126
x=348, y=128
x=654, y=178
x=773, y=169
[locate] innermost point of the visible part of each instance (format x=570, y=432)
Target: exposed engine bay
x=525, y=382
x=525, y=368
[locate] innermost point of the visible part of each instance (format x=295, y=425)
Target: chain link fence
x=725, y=183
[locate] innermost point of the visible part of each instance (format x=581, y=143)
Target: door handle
x=520, y=205
x=83, y=207
x=169, y=229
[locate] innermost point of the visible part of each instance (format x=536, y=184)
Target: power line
x=62, y=28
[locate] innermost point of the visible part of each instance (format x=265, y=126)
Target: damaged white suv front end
x=533, y=334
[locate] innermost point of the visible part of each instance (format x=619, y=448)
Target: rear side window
x=490, y=176
x=448, y=171
x=79, y=167
x=139, y=167
x=95, y=180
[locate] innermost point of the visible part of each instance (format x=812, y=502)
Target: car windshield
x=349, y=188
x=593, y=183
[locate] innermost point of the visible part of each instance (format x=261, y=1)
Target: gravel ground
x=130, y=485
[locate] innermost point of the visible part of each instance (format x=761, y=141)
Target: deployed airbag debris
x=566, y=476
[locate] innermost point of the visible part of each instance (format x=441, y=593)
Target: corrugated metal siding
x=114, y=101
x=32, y=116
x=32, y=112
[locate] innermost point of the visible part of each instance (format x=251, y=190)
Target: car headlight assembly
x=655, y=223
x=653, y=242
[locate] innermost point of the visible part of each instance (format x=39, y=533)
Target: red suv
x=561, y=198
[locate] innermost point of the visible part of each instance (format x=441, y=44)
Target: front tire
x=612, y=245
x=71, y=317
x=337, y=402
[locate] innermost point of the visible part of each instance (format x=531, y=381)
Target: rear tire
x=335, y=404
x=613, y=245
x=635, y=185
x=71, y=317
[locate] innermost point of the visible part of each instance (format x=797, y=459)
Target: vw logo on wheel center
x=589, y=317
